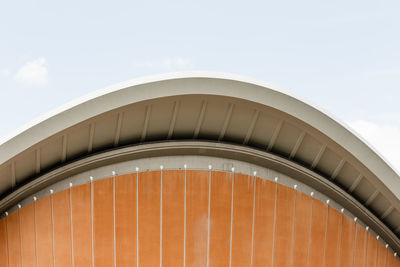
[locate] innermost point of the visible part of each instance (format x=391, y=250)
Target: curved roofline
x=139, y=81
x=93, y=104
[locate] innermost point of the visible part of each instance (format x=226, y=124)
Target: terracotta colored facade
x=186, y=218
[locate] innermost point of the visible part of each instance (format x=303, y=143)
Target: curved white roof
x=209, y=106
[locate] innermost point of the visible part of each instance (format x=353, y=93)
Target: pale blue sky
x=343, y=56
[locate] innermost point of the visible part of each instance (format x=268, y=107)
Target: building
x=195, y=169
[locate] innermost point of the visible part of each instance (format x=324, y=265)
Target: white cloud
x=33, y=72
x=384, y=138
x=168, y=63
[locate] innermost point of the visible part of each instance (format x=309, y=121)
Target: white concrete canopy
x=221, y=108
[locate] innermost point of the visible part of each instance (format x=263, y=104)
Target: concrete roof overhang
x=195, y=106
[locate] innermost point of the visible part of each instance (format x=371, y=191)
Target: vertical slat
x=71, y=225
x=285, y=201
x=397, y=262
x=220, y=217
x=149, y=218
x=242, y=220
x=318, y=229
x=372, y=251
x=3, y=243
x=137, y=216
x=13, y=240
x=196, y=217
x=81, y=221
x=208, y=215
x=348, y=242
x=360, y=249
x=62, y=229
x=173, y=217
x=382, y=255
x=103, y=223
x=125, y=220
x=333, y=237
x=184, y=220
x=264, y=223
x=302, y=229
x=28, y=236
x=231, y=225
x=391, y=260
x=92, y=220
x=161, y=215
x=44, y=236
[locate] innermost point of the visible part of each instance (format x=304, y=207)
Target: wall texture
x=185, y=218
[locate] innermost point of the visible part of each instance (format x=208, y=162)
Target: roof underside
x=206, y=115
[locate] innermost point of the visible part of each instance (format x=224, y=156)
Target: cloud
x=384, y=138
x=168, y=63
x=33, y=72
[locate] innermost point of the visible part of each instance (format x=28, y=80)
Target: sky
x=342, y=56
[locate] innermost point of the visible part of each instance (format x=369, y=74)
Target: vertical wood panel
x=44, y=235
x=302, y=229
x=28, y=255
x=361, y=245
x=391, y=260
x=14, y=251
x=264, y=223
x=242, y=220
x=333, y=237
x=196, y=218
x=125, y=219
x=285, y=199
x=103, y=223
x=220, y=218
x=3, y=244
x=173, y=218
x=62, y=229
x=372, y=250
x=348, y=239
x=149, y=219
x=81, y=222
x=382, y=255
x=318, y=230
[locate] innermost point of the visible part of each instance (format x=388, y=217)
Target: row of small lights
x=210, y=167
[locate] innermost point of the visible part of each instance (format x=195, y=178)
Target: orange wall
x=186, y=218
x=125, y=220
